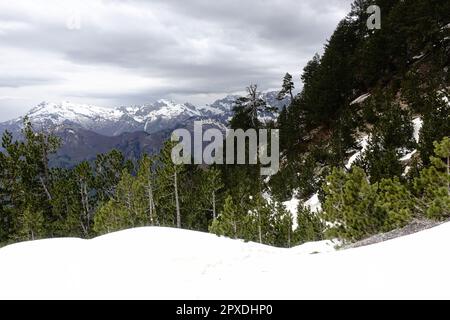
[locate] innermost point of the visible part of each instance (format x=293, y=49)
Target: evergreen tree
x=110, y=217
x=147, y=180
x=108, y=170
x=260, y=217
x=391, y=134
x=350, y=205
x=31, y=225
x=309, y=226
x=282, y=224
x=286, y=88
x=202, y=187
x=436, y=123
x=66, y=204
x=84, y=181
x=395, y=203
x=170, y=176
x=433, y=185
x=247, y=109
x=126, y=210
x=227, y=223
x=210, y=187
x=129, y=196
x=25, y=181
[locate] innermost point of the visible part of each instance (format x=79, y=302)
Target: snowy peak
x=81, y=113
x=67, y=111
x=170, y=109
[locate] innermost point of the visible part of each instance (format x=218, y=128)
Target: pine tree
x=227, y=223
x=281, y=223
x=436, y=123
x=260, y=217
x=309, y=71
x=84, y=178
x=25, y=180
x=309, y=226
x=127, y=209
x=209, y=183
x=31, y=225
x=350, y=205
x=286, y=88
x=146, y=178
x=108, y=170
x=247, y=109
x=111, y=217
x=66, y=204
x=129, y=197
x=433, y=185
x=395, y=203
x=9, y=186
x=170, y=177
x=391, y=134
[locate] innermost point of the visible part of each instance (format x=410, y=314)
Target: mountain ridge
x=152, y=117
x=86, y=130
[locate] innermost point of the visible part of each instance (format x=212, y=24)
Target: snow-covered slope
x=159, y=263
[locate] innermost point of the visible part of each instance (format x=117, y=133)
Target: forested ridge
x=401, y=70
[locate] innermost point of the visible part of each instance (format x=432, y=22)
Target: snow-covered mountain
x=108, y=121
x=153, y=117
x=86, y=130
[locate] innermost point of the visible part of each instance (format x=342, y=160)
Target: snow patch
x=291, y=206
x=417, y=124
x=417, y=57
x=314, y=203
x=363, y=142
x=408, y=156
x=360, y=99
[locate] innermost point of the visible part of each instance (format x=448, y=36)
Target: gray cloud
x=23, y=81
x=169, y=48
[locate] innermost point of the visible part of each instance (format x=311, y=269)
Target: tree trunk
x=49, y=196
x=214, y=205
x=88, y=209
x=177, y=204
x=448, y=175
x=259, y=228
x=85, y=205
x=150, y=202
x=289, y=232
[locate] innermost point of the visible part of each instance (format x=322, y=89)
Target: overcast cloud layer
x=115, y=52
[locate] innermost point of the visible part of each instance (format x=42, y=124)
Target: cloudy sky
x=111, y=52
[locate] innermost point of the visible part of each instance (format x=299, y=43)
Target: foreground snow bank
x=159, y=263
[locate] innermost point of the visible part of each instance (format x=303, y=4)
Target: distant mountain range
x=86, y=130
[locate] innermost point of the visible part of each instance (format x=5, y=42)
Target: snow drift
x=164, y=263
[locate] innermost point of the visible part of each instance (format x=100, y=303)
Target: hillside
x=161, y=263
